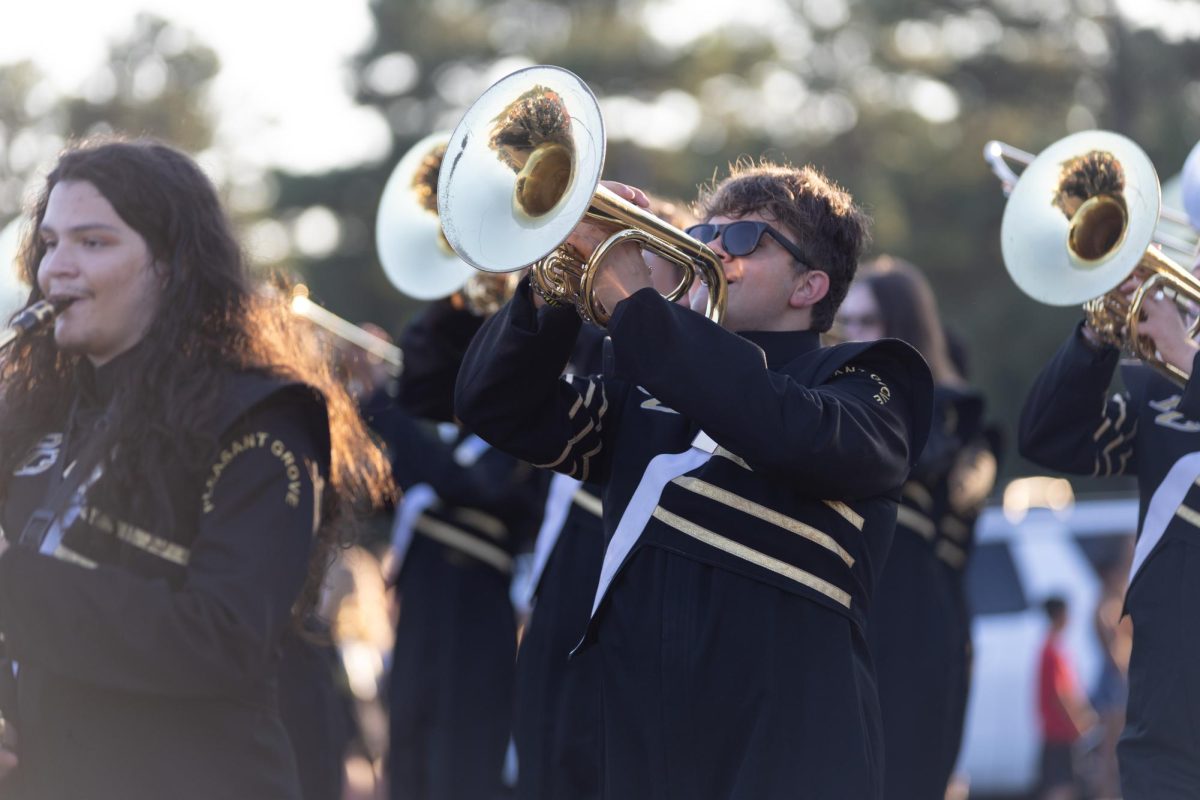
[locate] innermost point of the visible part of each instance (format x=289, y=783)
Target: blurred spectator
x=1063, y=711
x=356, y=603
x=1115, y=634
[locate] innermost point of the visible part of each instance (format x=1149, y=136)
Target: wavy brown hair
x=830, y=230
x=909, y=312
x=211, y=322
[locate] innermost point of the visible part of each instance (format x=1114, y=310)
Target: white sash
x=1167, y=499
x=558, y=505
x=661, y=471
x=416, y=500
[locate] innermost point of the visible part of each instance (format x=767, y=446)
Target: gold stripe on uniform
x=585, y=463
x=63, y=553
x=955, y=528
x=588, y=502
x=1120, y=400
x=723, y=453
x=915, y=521
x=461, y=540
x=570, y=445
x=951, y=553
x=847, y=513
x=795, y=526
x=484, y=523
x=581, y=400
x=136, y=537
x=918, y=494
x=753, y=556
x=1188, y=515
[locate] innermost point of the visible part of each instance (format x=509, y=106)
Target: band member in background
x=919, y=627
x=556, y=719
x=1150, y=429
x=468, y=509
x=176, y=463
x=750, y=486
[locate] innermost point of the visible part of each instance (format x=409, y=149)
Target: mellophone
x=1082, y=220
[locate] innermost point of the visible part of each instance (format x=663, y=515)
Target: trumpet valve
x=558, y=276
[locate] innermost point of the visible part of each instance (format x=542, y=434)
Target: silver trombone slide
x=304, y=307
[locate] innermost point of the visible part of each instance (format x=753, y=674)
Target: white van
x=1019, y=561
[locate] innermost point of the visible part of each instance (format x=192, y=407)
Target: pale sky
x=280, y=95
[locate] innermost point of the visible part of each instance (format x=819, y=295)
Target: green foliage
x=153, y=83
x=893, y=98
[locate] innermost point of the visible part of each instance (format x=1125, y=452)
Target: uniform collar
x=97, y=385
x=782, y=347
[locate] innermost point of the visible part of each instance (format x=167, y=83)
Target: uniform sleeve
x=511, y=391
x=218, y=632
x=1070, y=423
x=957, y=418
x=493, y=481
x=434, y=345
x=855, y=435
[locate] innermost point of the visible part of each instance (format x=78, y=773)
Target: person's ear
x=810, y=289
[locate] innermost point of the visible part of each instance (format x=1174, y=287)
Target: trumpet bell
x=529, y=153
x=1064, y=256
x=408, y=232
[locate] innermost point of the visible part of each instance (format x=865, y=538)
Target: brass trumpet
x=1080, y=221
x=523, y=169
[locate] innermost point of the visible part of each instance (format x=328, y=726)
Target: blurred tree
x=894, y=98
x=153, y=83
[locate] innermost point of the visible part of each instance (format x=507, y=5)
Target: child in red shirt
x=1063, y=710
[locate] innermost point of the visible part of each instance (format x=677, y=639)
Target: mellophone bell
x=1081, y=225
x=467, y=510
x=523, y=169
x=1080, y=221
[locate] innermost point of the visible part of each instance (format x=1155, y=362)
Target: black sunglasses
x=742, y=237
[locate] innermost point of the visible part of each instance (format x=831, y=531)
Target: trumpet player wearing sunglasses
x=750, y=483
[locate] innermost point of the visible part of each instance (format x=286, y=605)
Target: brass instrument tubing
x=32, y=318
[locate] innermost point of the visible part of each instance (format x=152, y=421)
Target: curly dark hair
x=821, y=217
x=211, y=321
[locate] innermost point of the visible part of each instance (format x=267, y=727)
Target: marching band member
x=1151, y=429
x=467, y=510
x=557, y=710
x=919, y=627
x=750, y=487
x=556, y=718
x=176, y=461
